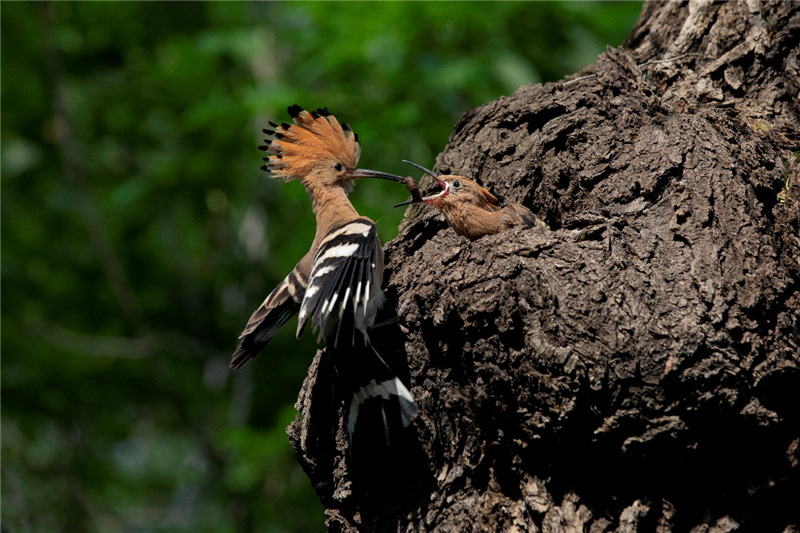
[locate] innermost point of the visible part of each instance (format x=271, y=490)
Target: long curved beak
x=408, y=202
x=425, y=170
x=364, y=173
x=441, y=182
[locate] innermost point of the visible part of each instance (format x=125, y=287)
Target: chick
x=471, y=210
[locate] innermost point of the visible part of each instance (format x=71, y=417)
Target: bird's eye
x=456, y=184
x=337, y=167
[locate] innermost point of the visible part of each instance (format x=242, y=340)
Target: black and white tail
x=378, y=406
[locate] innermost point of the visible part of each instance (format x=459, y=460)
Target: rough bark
x=636, y=368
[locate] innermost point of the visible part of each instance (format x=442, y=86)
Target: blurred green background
x=138, y=233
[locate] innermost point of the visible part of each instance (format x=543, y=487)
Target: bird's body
x=337, y=284
x=471, y=210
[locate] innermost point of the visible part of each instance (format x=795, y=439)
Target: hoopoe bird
x=337, y=284
x=471, y=210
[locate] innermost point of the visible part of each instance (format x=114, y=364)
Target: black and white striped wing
x=345, y=280
x=281, y=305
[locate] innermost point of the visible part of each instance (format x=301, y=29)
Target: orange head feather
x=315, y=141
x=317, y=150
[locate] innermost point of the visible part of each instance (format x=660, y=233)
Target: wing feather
x=281, y=305
x=342, y=272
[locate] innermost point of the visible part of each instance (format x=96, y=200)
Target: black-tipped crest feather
x=315, y=138
x=294, y=110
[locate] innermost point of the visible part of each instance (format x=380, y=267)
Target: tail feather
x=378, y=405
x=387, y=393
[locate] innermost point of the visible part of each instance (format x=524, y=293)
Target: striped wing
x=345, y=280
x=281, y=305
x=516, y=214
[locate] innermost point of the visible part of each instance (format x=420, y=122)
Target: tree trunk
x=636, y=368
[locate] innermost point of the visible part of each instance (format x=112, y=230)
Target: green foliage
x=139, y=232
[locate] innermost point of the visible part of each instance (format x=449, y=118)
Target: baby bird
x=471, y=210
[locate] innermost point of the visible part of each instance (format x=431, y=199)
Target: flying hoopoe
x=337, y=284
x=471, y=210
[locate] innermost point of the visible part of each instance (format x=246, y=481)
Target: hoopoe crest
x=316, y=149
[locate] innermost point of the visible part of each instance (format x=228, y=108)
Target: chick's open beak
x=441, y=194
x=424, y=199
x=443, y=184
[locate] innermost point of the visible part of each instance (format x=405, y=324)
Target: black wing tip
x=301, y=327
x=324, y=111
x=529, y=219
x=241, y=356
x=248, y=348
x=272, y=124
